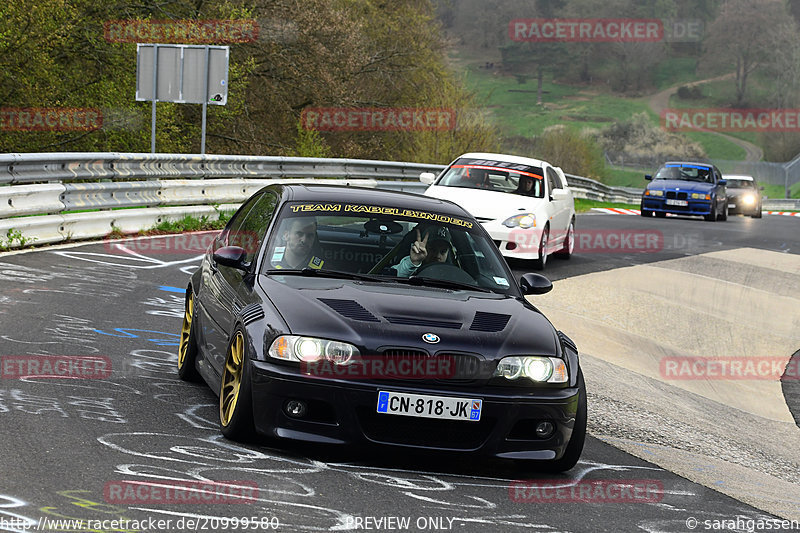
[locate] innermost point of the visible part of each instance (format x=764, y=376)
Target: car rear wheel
x=187, y=349
x=235, y=395
x=542, y=261
x=575, y=446
x=569, y=242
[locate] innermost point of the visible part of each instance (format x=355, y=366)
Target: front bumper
x=693, y=207
x=344, y=412
x=737, y=205
x=515, y=242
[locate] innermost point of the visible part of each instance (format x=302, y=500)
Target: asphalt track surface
x=68, y=445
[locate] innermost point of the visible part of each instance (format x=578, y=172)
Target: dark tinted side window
x=249, y=230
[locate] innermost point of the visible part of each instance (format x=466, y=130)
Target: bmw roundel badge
x=430, y=338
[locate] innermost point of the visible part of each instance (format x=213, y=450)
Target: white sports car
x=524, y=204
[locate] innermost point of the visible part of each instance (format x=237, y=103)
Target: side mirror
x=648, y=177
x=559, y=194
x=532, y=283
x=427, y=178
x=723, y=182
x=231, y=256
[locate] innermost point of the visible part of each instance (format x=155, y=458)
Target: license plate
x=677, y=202
x=424, y=406
x=731, y=206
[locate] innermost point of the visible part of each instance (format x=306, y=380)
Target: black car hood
x=377, y=316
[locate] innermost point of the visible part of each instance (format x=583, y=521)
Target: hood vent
x=349, y=309
x=424, y=322
x=251, y=313
x=489, y=322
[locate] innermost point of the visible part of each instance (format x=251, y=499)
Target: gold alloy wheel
x=186, y=331
x=231, y=379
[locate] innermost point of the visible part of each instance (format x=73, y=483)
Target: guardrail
x=53, y=197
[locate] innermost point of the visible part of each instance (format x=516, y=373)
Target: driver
x=433, y=248
x=300, y=236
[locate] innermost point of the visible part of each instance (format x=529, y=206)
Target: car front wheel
x=235, y=395
x=569, y=242
x=542, y=261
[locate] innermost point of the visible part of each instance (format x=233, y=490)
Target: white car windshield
x=498, y=176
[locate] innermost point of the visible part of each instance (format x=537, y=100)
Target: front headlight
x=749, y=199
x=700, y=196
x=536, y=368
x=652, y=192
x=311, y=350
x=525, y=220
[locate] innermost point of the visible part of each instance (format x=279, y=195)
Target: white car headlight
x=749, y=199
x=525, y=220
x=536, y=368
x=311, y=350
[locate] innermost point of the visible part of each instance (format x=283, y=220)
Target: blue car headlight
x=653, y=192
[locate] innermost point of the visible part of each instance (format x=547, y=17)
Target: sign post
x=184, y=74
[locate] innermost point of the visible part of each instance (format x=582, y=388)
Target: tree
x=740, y=38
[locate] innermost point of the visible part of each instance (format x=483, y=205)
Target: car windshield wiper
x=446, y=284
x=327, y=274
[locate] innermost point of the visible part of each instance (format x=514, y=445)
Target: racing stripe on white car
x=619, y=211
x=616, y=211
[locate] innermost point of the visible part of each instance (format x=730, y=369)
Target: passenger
x=300, y=238
x=434, y=248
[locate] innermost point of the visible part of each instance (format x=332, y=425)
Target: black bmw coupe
x=343, y=315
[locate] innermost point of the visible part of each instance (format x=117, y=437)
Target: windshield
x=387, y=244
x=734, y=183
x=685, y=172
x=495, y=176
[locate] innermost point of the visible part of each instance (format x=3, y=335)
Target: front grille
x=671, y=195
x=467, y=367
x=416, y=431
x=682, y=196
